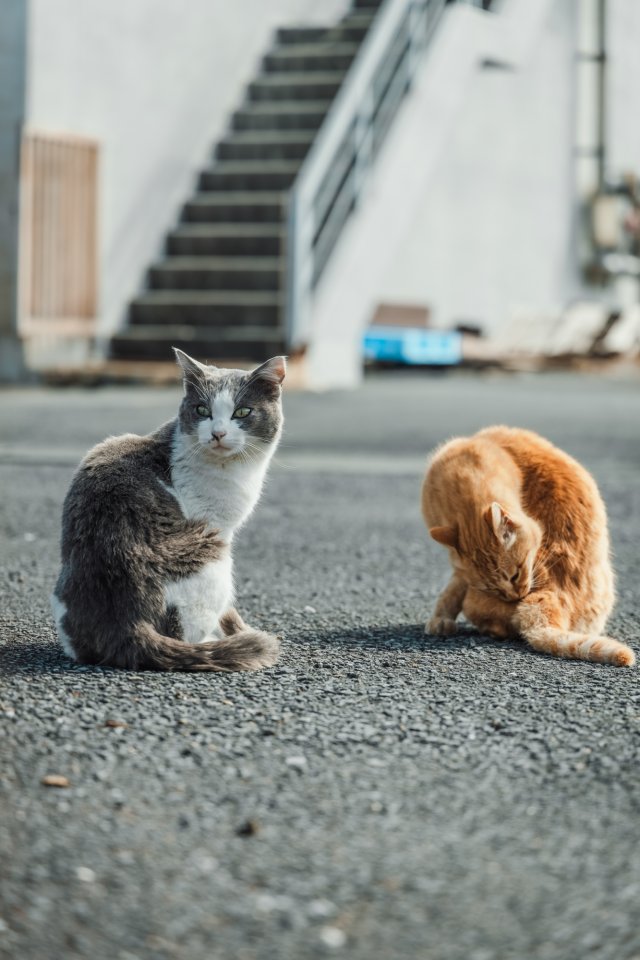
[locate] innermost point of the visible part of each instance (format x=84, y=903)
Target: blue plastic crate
x=410, y=346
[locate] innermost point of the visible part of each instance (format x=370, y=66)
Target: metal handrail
x=332, y=177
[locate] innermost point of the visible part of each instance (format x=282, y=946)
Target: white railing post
x=300, y=222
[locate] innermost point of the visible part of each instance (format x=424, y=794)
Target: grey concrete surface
x=378, y=794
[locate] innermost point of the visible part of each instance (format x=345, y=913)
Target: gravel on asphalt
x=377, y=794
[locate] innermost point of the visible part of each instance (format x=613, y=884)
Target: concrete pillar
x=13, y=44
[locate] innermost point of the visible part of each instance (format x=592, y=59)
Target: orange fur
x=526, y=531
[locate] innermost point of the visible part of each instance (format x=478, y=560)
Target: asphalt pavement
x=378, y=794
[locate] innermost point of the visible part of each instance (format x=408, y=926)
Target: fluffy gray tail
x=246, y=649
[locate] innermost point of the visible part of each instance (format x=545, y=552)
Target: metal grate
x=58, y=234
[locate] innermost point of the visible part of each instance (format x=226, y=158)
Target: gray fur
x=125, y=537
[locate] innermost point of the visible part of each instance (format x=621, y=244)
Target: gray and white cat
x=146, y=580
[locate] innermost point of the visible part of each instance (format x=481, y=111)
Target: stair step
x=265, y=145
x=296, y=86
x=281, y=115
x=250, y=175
x=353, y=27
x=245, y=308
x=220, y=291
x=297, y=35
x=232, y=343
x=217, y=273
x=237, y=207
x=226, y=239
x=310, y=57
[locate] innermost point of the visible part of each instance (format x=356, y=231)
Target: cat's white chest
x=223, y=497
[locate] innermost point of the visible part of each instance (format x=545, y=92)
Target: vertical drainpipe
x=590, y=145
x=592, y=176
x=601, y=103
x=590, y=128
x=13, y=47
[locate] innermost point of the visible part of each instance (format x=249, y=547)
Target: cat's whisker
x=555, y=562
x=189, y=457
x=255, y=446
x=248, y=451
x=246, y=456
x=198, y=388
x=285, y=465
x=542, y=556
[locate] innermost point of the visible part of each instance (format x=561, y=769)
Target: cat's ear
x=448, y=536
x=501, y=524
x=273, y=371
x=190, y=367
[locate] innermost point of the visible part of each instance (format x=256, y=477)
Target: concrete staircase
x=220, y=291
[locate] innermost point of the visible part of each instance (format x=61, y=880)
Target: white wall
x=154, y=81
x=493, y=227
x=622, y=87
x=472, y=208
x=469, y=207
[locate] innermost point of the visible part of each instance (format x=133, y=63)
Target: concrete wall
x=469, y=206
x=154, y=81
x=622, y=87
x=473, y=206
x=493, y=229
x=12, y=75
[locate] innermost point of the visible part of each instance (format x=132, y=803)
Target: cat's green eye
x=203, y=411
x=241, y=412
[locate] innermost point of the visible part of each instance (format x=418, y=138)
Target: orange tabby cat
x=527, y=536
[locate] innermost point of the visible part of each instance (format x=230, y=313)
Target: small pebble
x=55, y=780
x=206, y=865
x=320, y=909
x=248, y=829
x=333, y=937
x=298, y=762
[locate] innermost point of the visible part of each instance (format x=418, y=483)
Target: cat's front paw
x=208, y=544
x=441, y=627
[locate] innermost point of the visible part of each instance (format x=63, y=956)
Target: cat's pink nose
x=219, y=435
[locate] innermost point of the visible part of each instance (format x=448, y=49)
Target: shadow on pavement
x=20, y=656
x=405, y=637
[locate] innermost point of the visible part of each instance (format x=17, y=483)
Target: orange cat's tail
x=580, y=646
